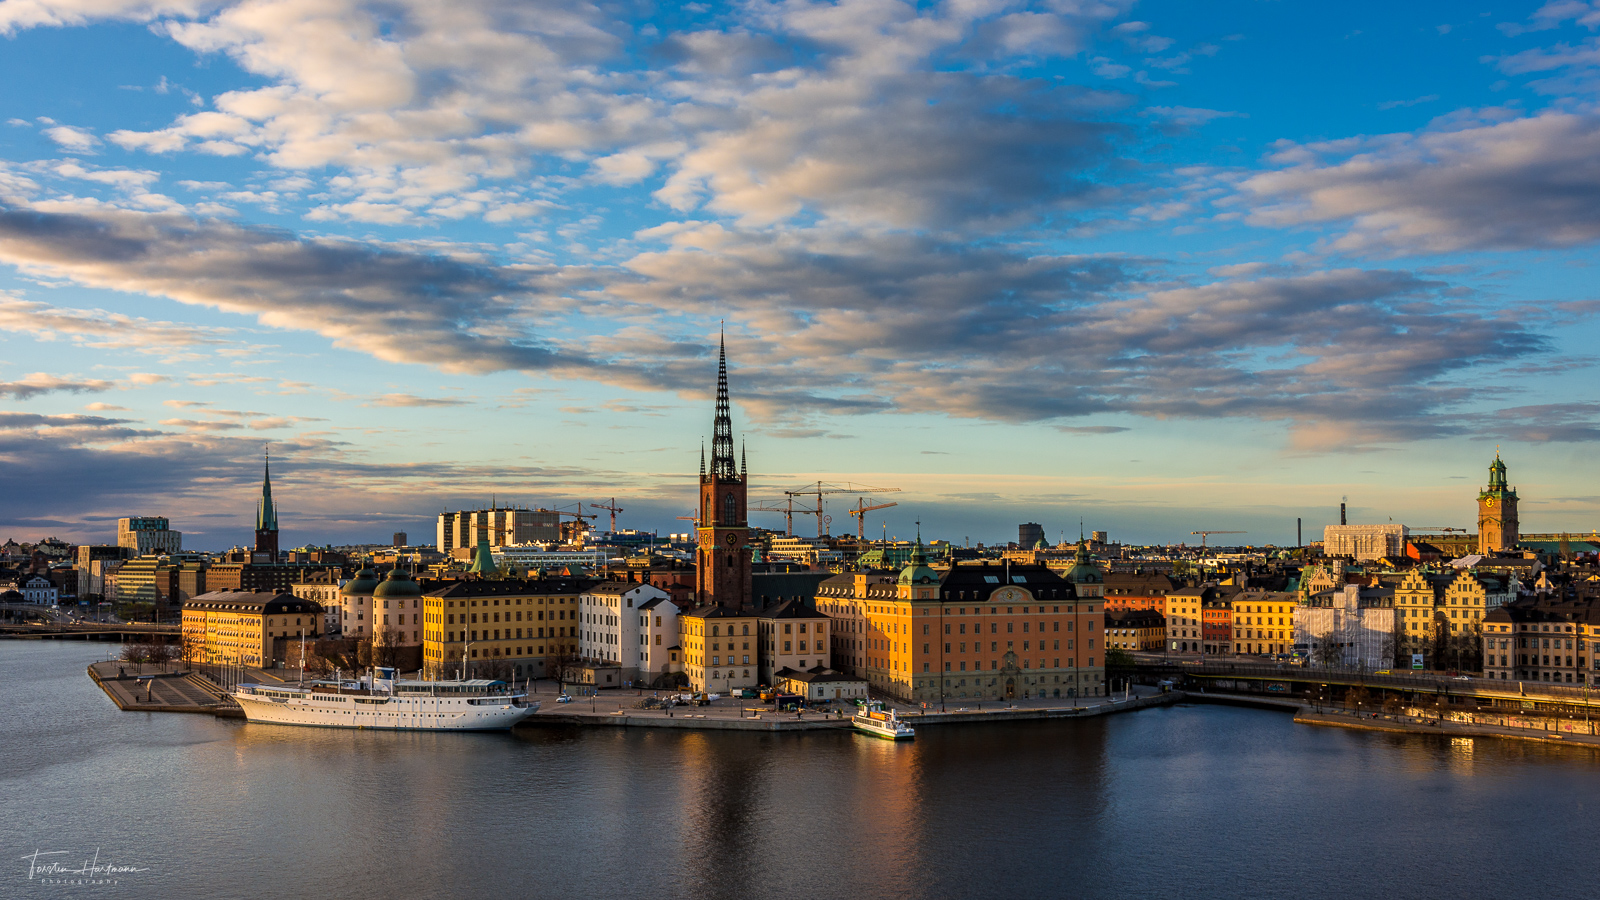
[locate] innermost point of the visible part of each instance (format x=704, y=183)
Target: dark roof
x=983, y=580
x=512, y=587
x=790, y=609
x=716, y=611
x=1135, y=618
x=816, y=675
x=265, y=603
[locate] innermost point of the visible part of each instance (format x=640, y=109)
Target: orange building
x=1216, y=625
x=1137, y=591
x=975, y=631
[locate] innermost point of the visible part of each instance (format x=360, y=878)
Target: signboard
x=1416, y=660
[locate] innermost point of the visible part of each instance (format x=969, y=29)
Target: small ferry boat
x=873, y=719
x=385, y=702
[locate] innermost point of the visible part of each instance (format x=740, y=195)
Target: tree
x=385, y=647
x=136, y=651
x=1119, y=666
x=1328, y=653
x=560, y=664
x=496, y=669
x=159, y=653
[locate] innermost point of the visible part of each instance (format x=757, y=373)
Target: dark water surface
x=1190, y=802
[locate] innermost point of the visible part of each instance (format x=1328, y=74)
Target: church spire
x=722, y=431
x=266, y=510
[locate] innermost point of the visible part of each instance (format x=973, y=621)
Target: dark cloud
x=42, y=383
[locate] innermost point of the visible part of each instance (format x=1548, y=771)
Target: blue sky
x=1158, y=266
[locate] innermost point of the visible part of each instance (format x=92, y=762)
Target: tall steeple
x=722, y=464
x=267, y=516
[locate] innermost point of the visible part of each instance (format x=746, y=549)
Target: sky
x=1150, y=266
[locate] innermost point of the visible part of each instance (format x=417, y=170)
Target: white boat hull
x=888, y=730
x=404, y=713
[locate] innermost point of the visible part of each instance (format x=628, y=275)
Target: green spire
x=266, y=510
x=482, y=559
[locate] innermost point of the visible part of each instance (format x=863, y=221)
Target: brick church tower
x=1497, y=512
x=722, y=559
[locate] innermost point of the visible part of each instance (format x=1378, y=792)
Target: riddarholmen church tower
x=1497, y=512
x=722, y=559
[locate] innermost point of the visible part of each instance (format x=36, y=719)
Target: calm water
x=1195, y=802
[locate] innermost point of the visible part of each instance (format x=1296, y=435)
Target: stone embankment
x=1552, y=733
x=153, y=691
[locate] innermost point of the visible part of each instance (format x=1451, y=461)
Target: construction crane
x=860, y=514
x=785, y=506
x=1206, y=534
x=820, y=488
x=614, y=508
x=578, y=526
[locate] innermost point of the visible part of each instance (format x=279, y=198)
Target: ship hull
x=385, y=714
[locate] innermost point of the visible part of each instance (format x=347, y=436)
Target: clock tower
x=723, y=553
x=1497, y=512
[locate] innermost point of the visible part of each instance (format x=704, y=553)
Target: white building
x=659, y=653
x=148, y=535
x=610, y=630
x=327, y=595
x=501, y=526
x=534, y=556
x=1342, y=628
x=37, y=589
x=1365, y=541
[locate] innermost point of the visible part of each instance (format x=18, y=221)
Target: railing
x=1434, y=683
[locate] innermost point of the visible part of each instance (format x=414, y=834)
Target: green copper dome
x=1083, y=570
x=917, y=570
x=398, y=584
x=363, y=584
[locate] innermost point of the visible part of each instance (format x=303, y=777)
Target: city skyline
x=1125, y=262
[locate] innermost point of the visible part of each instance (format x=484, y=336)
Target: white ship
x=874, y=720
x=384, y=702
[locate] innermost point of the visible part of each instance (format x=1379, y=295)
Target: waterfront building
x=1497, y=512
x=1216, y=626
x=147, y=535
x=1263, y=622
x=1365, y=542
x=723, y=552
x=820, y=684
x=1137, y=590
x=721, y=648
x=266, y=545
x=355, y=604
x=977, y=630
x=1543, y=641
x=793, y=636
x=1135, y=630
x=1184, y=607
x=1470, y=596
x=526, y=625
x=249, y=628
x=659, y=658
x=323, y=589
x=613, y=626
x=1418, y=598
x=397, y=611
x=1351, y=627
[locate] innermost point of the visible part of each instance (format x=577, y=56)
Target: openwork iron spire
x=722, y=463
x=266, y=510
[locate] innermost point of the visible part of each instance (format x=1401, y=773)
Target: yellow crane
x=1206, y=534
x=859, y=513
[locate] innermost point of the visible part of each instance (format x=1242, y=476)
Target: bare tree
x=159, y=653
x=560, y=664
x=496, y=669
x=385, y=647
x=136, y=651
x=1328, y=653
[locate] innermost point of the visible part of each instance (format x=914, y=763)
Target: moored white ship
x=388, y=703
x=878, y=722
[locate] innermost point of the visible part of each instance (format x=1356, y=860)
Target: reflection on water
x=1183, y=802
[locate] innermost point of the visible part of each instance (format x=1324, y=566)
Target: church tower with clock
x=723, y=554
x=1497, y=512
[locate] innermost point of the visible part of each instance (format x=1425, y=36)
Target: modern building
x=147, y=535
x=1030, y=535
x=503, y=526
x=1365, y=542
x=249, y=628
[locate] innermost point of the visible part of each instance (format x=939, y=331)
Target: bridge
x=1282, y=680
x=50, y=623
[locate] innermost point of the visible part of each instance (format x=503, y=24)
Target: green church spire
x=266, y=510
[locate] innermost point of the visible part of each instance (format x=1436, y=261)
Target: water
x=1189, y=802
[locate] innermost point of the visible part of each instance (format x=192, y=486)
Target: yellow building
x=246, y=627
x=518, y=626
x=721, y=648
x=792, y=637
x=1263, y=622
x=1417, y=601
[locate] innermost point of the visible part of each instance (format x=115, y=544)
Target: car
x=1462, y=678
x=564, y=698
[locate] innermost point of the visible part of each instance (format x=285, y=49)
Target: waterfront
x=1176, y=802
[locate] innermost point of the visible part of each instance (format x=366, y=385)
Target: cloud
x=77, y=140
x=41, y=383
x=395, y=305
x=1530, y=182
x=1091, y=429
x=105, y=330
x=1399, y=104
x=1188, y=115
x=412, y=400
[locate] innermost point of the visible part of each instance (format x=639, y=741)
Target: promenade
x=1424, y=725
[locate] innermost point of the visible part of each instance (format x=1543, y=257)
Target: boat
x=388, y=703
x=873, y=719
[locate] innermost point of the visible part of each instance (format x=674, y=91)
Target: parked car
x=1462, y=678
x=564, y=698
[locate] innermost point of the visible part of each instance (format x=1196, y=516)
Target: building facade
x=1263, y=622
x=614, y=627
x=721, y=648
x=246, y=627
x=146, y=536
x=1365, y=542
x=525, y=627
x=793, y=636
